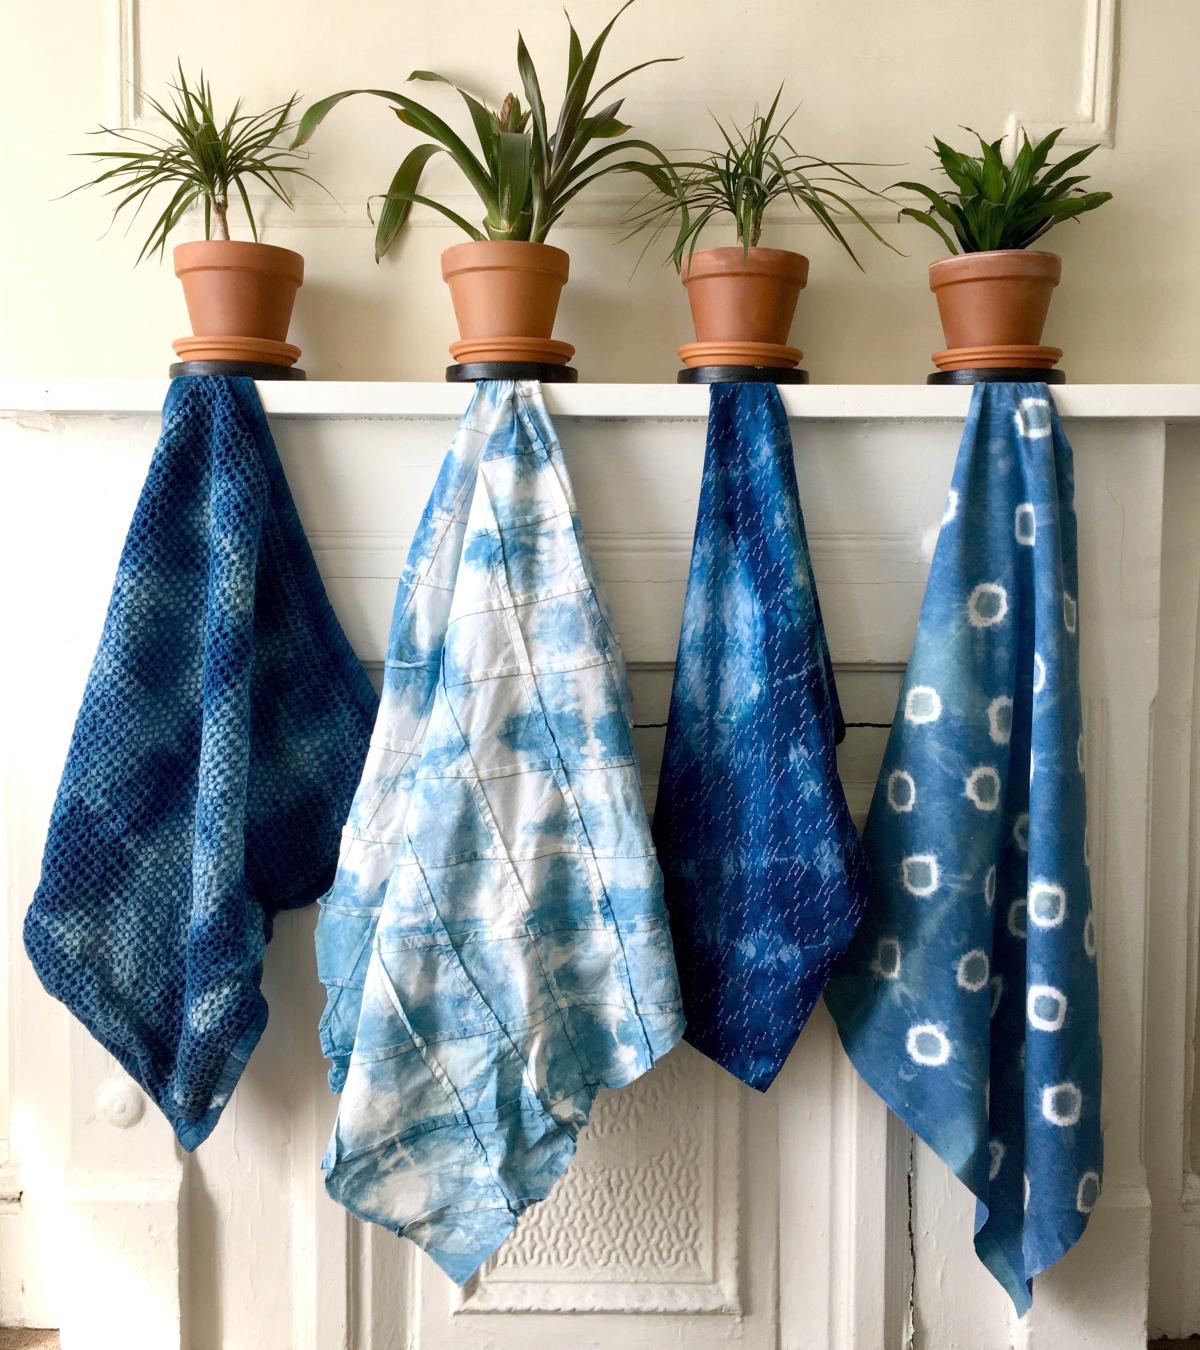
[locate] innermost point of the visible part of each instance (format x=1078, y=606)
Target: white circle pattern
x=987, y=605
x=927, y=1044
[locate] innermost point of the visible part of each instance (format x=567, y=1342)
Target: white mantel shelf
x=425, y=400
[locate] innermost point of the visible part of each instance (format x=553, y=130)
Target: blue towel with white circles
x=765, y=874
x=968, y=999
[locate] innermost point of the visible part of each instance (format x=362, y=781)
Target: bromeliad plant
x=527, y=170
x=506, y=282
x=743, y=299
x=994, y=292
x=239, y=294
x=994, y=205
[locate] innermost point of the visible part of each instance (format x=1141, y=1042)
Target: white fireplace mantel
x=799, y=1217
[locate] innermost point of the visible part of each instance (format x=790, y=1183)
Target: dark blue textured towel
x=222, y=732
x=765, y=875
x=969, y=997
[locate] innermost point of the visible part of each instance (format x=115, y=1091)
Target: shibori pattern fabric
x=495, y=947
x=765, y=875
x=969, y=998
x=223, y=728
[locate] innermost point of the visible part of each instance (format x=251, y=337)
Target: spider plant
x=201, y=160
x=758, y=166
x=994, y=205
x=526, y=171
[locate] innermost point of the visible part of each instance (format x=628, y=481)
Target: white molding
x=1094, y=120
x=428, y=400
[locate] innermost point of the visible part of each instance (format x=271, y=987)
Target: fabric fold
x=222, y=730
x=969, y=1000
x=495, y=946
x=765, y=875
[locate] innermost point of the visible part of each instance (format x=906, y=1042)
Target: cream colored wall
x=874, y=80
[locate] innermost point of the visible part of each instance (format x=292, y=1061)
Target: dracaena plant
x=757, y=166
x=202, y=160
x=994, y=205
x=526, y=170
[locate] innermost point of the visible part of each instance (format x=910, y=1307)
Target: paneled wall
x=873, y=81
x=698, y=1213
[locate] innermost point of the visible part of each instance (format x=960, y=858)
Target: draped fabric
x=969, y=997
x=223, y=728
x=765, y=876
x=495, y=946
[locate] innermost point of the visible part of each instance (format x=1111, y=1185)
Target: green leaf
x=453, y=216
x=399, y=199
x=513, y=185
x=926, y=218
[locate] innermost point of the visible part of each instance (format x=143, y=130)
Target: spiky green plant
x=995, y=205
x=526, y=171
x=203, y=160
x=758, y=165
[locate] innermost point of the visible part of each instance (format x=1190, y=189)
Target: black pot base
x=998, y=375
x=740, y=375
x=471, y=371
x=256, y=370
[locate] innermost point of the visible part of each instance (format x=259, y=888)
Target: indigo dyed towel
x=495, y=946
x=222, y=730
x=765, y=878
x=968, y=1000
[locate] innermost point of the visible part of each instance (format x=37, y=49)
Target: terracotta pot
x=505, y=296
x=743, y=303
x=240, y=295
x=993, y=307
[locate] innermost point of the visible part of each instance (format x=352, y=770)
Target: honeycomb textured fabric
x=969, y=999
x=765, y=874
x=495, y=947
x=223, y=727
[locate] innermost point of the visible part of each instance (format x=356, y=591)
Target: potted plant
x=994, y=293
x=506, y=282
x=743, y=297
x=239, y=294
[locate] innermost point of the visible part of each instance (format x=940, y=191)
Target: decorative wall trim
x=1095, y=112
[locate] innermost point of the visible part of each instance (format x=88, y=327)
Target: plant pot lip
x=994, y=264
x=237, y=255
x=514, y=254
x=733, y=260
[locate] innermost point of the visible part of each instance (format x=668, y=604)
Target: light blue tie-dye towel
x=765, y=875
x=968, y=999
x=495, y=946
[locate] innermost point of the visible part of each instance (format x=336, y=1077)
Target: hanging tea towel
x=968, y=1000
x=495, y=947
x=765, y=878
x=223, y=728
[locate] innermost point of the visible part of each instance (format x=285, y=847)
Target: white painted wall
x=698, y=1214
x=874, y=82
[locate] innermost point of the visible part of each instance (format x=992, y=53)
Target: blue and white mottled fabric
x=969, y=998
x=495, y=946
x=765, y=876
x=222, y=731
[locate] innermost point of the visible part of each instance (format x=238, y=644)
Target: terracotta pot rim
x=237, y=255
x=511, y=255
x=995, y=265
x=733, y=260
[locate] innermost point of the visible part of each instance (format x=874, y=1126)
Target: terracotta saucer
x=263, y=350
x=547, y=351
x=773, y=355
x=997, y=357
